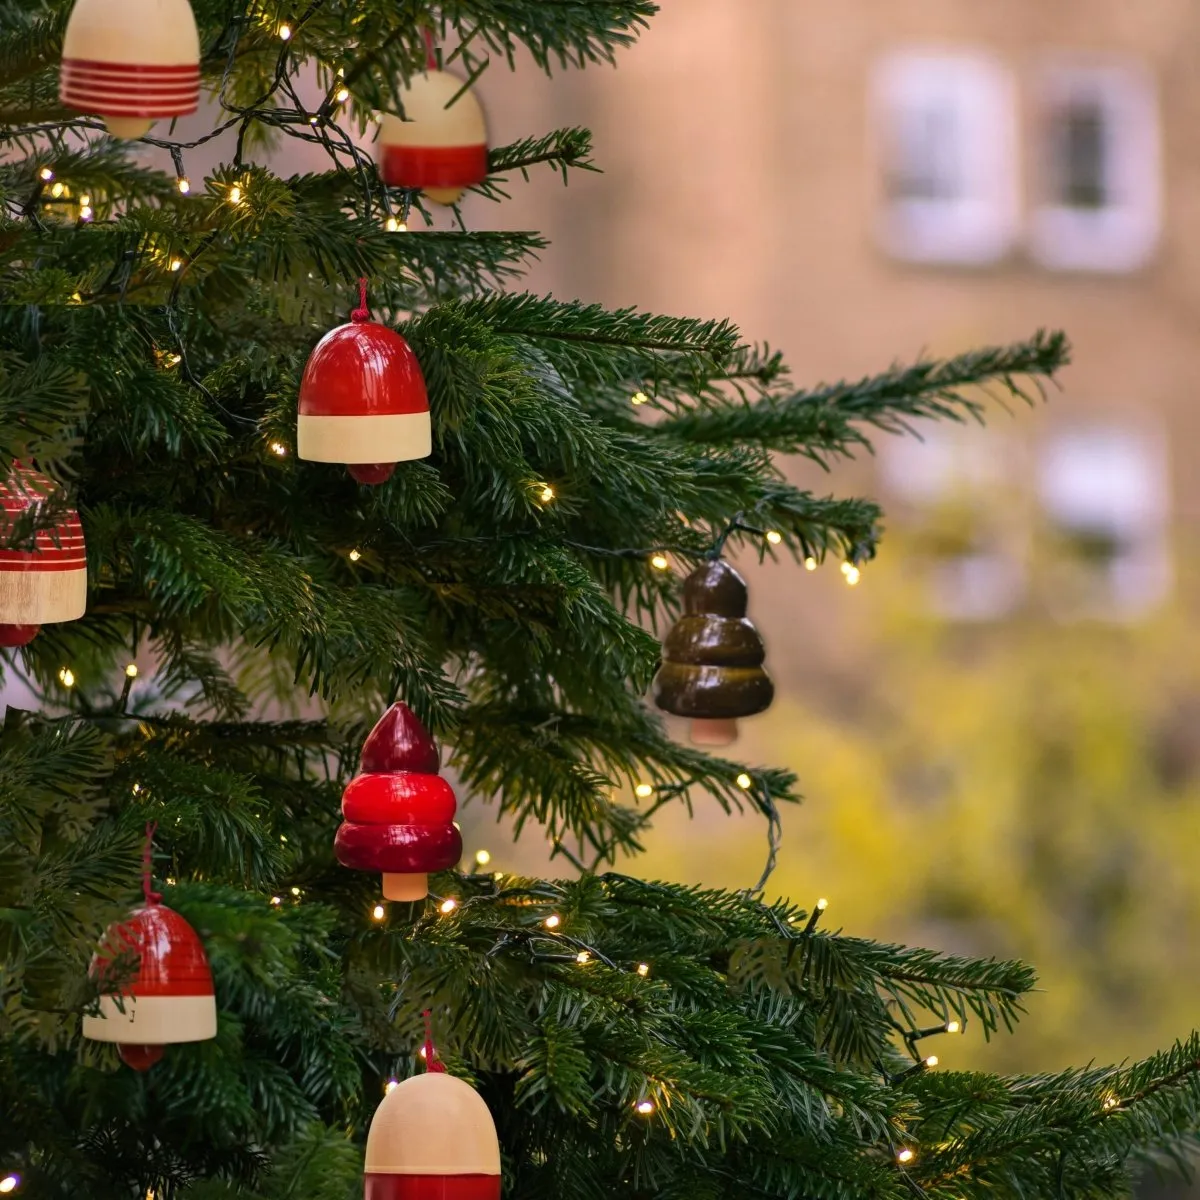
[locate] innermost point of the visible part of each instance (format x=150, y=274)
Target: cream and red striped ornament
x=131, y=62
x=363, y=400
x=156, y=986
x=432, y=1138
x=440, y=145
x=44, y=579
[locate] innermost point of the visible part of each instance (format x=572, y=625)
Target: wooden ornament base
x=405, y=887
x=721, y=731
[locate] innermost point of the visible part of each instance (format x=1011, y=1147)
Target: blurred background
x=995, y=729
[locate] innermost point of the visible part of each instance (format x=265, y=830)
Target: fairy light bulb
x=953, y=1027
x=553, y=921
x=9, y=1183
x=354, y=555
x=1110, y=1102
x=546, y=494
x=285, y=33
x=295, y=891
x=643, y=790
x=774, y=537
x=640, y=398
x=131, y=671
x=177, y=264
x=57, y=190
x=660, y=562
x=905, y=1155
x=235, y=194
x=810, y=563
x=643, y=969
x=390, y=1086
x=482, y=858
x=822, y=904
x=645, y=1107
x=447, y=906
x=395, y=225
x=86, y=212
x=342, y=95
x=85, y=199
x=184, y=184
x=278, y=448
x=66, y=677
x=745, y=782
x=583, y=957
x=378, y=912
x=932, y=1060
x=45, y=174
x=276, y=901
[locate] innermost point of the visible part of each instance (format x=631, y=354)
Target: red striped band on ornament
x=434, y=166
x=431, y=1187
x=61, y=551
x=120, y=89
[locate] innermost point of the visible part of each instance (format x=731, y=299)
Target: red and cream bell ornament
x=131, y=62
x=44, y=578
x=363, y=400
x=399, y=813
x=432, y=1138
x=161, y=986
x=440, y=145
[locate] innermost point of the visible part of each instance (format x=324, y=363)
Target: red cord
x=430, y=52
x=151, y=897
x=362, y=312
x=432, y=1062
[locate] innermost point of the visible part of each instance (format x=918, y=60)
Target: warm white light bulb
x=295, y=891
x=132, y=670
x=660, y=562
x=285, y=32
x=643, y=969
x=235, y=194
x=390, y=1086
x=278, y=448
x=774, y=537
x=177, y=264
x=277, y=900
x=342, y=95
x=85, y=199
x=184, y=184
x=932, y=1061
x=378, y=912
x=546, y=494
x=482, y=858
x=45, y=174
x=583, y=957
x=745, y=782
x=9, y=1183
x=553, y=921
x=643, y=790
x=905, y=1155
x=354, y=556
x=448, y=905
x=810, y=563
x=85, y=212
x=645, y=1107
x=58, y=189
x=853, y=575
x=67, y=677
x=640, y=398
x=953, y=1027
x=393, y=225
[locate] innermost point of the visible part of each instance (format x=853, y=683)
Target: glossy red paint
x=434, y=166
x=431, y=1187
x=59, y=549
x=399, y=742
x=18, y=635
x=362, y=368
x=371, y=473
x=398, y=849
x=398, y=799
x=168, y=953
x=139, y=1058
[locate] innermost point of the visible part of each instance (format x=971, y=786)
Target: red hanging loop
x=432, y=1062
x=362, y=312
x=151, y=897
x=430, y=51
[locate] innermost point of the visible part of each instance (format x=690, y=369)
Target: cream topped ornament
x=440, y=144
x=131, y=62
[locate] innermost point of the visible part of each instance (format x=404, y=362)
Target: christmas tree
x=630, y=1038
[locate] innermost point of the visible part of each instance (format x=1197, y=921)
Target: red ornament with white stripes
x=432, y=1138
x=399, y=813
x=363, y=400
x=43, y=578
x=131, y=62
x=155, y=983
x=440, y=144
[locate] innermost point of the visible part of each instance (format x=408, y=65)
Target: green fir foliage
x=150, y=352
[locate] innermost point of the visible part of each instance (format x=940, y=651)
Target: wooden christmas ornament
x=712, y=668
x=43, y=578
x=440, y=145
x=162, y=988
x=432, y=1138
x=131, y=62
x=363, y=400
x=399, y=813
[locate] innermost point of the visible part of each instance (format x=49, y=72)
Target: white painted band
x=153, y=1020
x=381, y=438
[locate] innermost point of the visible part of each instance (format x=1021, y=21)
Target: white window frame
x=981, y=225
x=1123, y=234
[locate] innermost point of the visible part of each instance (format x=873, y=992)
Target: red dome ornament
x=440, y=145
x=399, y=813
x=131, y=62
x=432, y=1138
x=42, y=579
x=363, y=400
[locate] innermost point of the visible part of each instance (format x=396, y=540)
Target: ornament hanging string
x=431, y=63
x=362, y=312
x=151, y=897
x=432, y=1062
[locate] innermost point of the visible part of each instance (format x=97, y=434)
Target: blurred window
x=1100, y=191
x=1104, y=491
x=945, y=130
